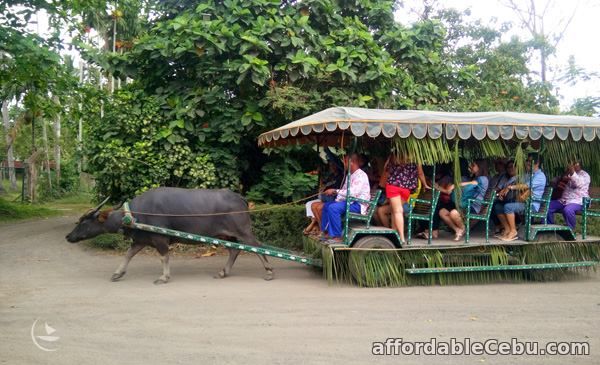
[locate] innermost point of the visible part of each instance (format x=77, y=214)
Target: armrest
x=592, y=199
x=417, y=200
x=480, y=201
x=538, y=200
x=587, y=202
x=353, y=199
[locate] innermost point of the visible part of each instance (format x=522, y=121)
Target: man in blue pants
x=331, y=223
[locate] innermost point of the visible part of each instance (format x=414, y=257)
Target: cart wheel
x=369, y=268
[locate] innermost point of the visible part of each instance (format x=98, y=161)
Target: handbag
x=523, y=195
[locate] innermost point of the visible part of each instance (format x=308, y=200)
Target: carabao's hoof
x=116, y=276
x=161, y=280
x=269, y=276
x=220, y=275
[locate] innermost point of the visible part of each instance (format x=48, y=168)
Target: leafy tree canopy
x=221, y=72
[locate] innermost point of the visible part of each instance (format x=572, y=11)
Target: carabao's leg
x=233, y=254
x=267, y=266
x=163, y=249
x=122, y=269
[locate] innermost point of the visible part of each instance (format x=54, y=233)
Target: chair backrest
x=375, y=194
x=428, y=201
x=542, y=213
x=489, y=196
x=544, y=202
x=371, y=206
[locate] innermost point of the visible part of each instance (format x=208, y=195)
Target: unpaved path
x=295, y=319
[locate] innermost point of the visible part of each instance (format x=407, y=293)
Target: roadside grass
x=11, y=195
x=11, y=211
x=72, y=204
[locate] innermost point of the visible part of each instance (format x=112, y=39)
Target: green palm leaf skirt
x=472, y=264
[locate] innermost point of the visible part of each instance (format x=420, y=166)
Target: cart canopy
x=385, y=123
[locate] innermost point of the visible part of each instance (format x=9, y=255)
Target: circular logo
x=38, y=340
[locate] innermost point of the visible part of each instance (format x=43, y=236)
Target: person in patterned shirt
x=401, y=182
x=571, y=202
x=331, y=222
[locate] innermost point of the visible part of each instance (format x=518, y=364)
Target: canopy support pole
x=348, y=175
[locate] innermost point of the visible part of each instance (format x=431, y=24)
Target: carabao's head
x=90, y=225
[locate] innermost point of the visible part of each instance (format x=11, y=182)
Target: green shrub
x=69, y=182
x=282, y=181
x=281, y=227
x=110, y=241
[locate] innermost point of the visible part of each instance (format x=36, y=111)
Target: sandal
x=459, y=235
x=425, y=236
x=510, y=239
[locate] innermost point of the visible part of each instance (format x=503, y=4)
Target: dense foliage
x=220, y=73
x=280, y=227
x=210, y=76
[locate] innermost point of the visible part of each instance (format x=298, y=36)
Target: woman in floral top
x=402, y=180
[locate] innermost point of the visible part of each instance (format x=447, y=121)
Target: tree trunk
x=9, y=147
x=46, y=153
x=57, y=151
x=32, y=175
x=543, y=57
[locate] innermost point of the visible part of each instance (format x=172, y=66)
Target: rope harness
x=128, y=214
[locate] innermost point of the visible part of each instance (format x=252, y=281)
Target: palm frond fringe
x=388, y=269
x=557, y=154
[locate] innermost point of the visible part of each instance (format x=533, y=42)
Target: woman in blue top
x=535, y=183
x=473, y=189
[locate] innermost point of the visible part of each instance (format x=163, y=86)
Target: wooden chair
x=590, y=209
x=532, y=229
x=422, y=210
x=484, y=214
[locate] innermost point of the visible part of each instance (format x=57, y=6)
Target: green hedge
x=281, y=226
x=110, y=241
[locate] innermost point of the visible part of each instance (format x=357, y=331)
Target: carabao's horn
x=101, y=204
x=93, y=210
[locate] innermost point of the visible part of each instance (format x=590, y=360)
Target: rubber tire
x=366, y=242
x=374, y=241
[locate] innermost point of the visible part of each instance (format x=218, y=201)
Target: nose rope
x=128, y=218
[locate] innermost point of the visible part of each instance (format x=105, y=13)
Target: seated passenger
x=499, y=180
x=510, y=178
x=314, y=208
x=331, y=223
x=443, y=179
x=571, y=202
x=506, y=210
x=473, y=189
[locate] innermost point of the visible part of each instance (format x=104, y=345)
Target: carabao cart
x=371, y=255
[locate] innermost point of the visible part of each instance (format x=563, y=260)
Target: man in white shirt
x=331, y=222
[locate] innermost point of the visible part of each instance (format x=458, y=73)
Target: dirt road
x=295, y=319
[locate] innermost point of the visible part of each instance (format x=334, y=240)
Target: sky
x=580, y=39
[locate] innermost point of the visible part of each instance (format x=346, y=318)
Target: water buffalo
x=168, y=202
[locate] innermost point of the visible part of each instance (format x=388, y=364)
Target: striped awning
x=387, y=123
